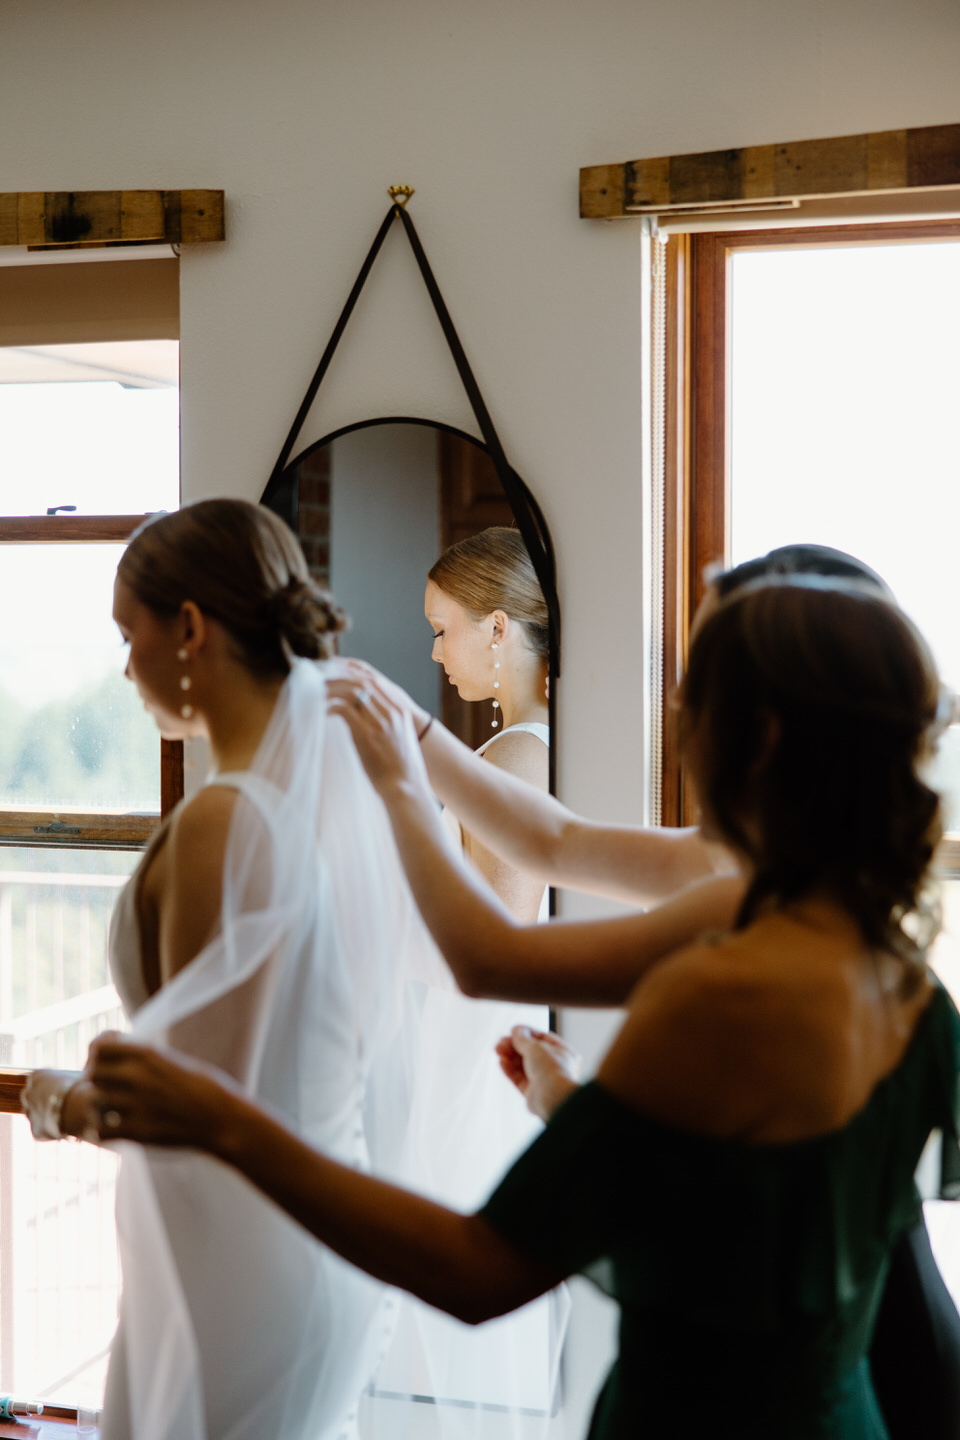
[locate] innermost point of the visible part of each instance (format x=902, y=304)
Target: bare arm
x=567, y=962
x=535, y=833
x=456, y=1262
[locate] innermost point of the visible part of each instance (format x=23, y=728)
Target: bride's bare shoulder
x=197, y=845
x=203, y=820
x=189, y=905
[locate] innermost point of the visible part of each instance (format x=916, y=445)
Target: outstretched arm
x=564, y=963
x=455, y=1262
x=532, y=831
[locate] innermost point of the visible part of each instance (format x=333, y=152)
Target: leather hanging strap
x=529, y=516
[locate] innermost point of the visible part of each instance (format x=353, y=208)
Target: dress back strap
x=259, y=791
x=530, y=727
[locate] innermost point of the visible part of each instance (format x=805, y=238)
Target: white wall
x=304, y=111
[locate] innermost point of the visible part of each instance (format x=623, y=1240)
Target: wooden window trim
x=75, y=219
x=696, y=443
x=765, y=176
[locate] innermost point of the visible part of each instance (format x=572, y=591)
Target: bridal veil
x=236, y=1324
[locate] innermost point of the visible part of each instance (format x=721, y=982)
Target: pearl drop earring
x=496, y=685
x=185, y=683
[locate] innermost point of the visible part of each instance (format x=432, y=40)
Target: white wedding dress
x=324, y=995
x=235, y=1324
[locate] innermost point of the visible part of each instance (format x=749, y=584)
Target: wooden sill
x=68, y=529
x=11, y=1087
x=96, y=827
x=56, y=1423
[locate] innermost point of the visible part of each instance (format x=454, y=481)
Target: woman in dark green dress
x=742, y=1166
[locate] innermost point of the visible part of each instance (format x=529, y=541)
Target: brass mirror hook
x=400, y=194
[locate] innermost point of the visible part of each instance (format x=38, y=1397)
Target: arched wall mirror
x=374, y=505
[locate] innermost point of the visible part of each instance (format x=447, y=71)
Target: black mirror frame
x=281, y=496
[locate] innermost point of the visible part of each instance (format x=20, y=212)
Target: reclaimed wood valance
x=775, y=175
x=67, y=219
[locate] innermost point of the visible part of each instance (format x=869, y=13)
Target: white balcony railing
x=59, y=1270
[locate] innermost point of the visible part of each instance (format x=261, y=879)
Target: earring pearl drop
x=496, y=685
x=185, y=682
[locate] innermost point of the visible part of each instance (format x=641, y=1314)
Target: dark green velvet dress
x=748, y=1276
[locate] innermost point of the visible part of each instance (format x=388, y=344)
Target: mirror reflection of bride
x=490, y=626
x=268, y=929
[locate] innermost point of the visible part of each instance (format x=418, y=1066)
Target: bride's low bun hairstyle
x=306, y=617
x=493, y=571
x=243, y=567
x=808, y=709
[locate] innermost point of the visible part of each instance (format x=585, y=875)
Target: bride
x=268, y=930
x=489, y=619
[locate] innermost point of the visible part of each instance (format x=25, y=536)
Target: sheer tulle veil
x=236, y=1324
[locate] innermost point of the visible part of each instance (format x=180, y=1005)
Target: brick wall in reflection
x=313, y=516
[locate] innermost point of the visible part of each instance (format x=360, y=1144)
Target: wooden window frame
x=696, y=450
x=74, y=221
x=99, y=830
x=107, y=831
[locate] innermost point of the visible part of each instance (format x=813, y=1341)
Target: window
x=820, y=406
x=88, y=447
x=808, y=378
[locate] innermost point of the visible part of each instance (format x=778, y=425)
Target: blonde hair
x=242, y=566
x=493, y=571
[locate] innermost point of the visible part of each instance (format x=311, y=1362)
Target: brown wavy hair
x=802, y=559
x=493, y=571
x=807, y=708
x=243, y=567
